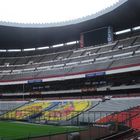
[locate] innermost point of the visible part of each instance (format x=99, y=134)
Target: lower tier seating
x=9, y=105
x=108, y=107
x=26, y=111
x=66, y=110
x=136, y=122
x=129, y=117
x=48, y=110
x=81, y=111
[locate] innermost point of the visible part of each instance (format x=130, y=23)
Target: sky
x=49, y=11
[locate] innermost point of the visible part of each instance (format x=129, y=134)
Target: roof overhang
x=65, y=23
x=125, y=14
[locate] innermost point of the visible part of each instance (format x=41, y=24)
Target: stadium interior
x=87, y=78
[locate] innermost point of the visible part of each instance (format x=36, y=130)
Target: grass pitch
x=17, y=131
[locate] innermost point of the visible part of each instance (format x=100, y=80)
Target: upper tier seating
x=137, y=41
x=120, y=53
x=126, y=42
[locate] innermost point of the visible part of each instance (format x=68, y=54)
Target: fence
x=97, y=123
x=70, y=117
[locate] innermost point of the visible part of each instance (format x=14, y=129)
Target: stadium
x=73, y=80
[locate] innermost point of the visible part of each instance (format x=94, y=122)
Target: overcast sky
x=46, y=11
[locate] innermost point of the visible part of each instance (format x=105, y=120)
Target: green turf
x=14, y=131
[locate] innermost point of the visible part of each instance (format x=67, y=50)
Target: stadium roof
x=49, y=11
x=123, y=15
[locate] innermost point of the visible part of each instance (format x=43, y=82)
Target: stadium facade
x=42, y=58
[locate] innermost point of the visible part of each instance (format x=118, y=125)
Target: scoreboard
x=96, y=37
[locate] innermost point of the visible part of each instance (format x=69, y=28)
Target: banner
x=81, y=40
x=110, y=35
x=95, y=74
x=34, y=81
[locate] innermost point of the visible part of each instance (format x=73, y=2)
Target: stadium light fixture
x=136, y=28
x=42, y=48
x=58, y=45
x=2, y=50
x=14, y=50
x=71, y=43
x=29, y=49
x=6, y=64
x=123, y=31
x=6, y=71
